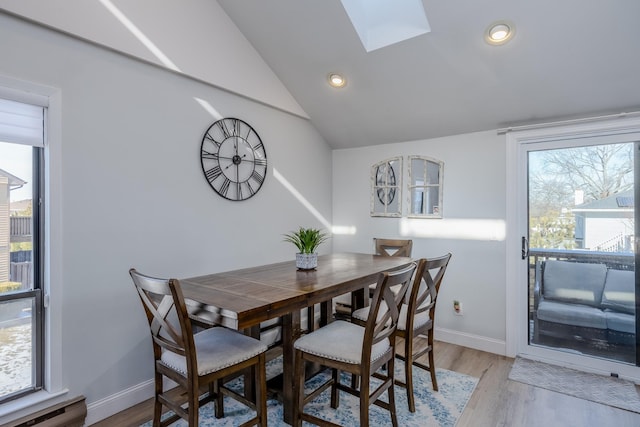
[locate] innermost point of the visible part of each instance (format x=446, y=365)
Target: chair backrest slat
x=385, y=306
x=393, y=247
x=425, y=287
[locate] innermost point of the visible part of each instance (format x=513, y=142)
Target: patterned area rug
x=596, y=388
x=433, y=408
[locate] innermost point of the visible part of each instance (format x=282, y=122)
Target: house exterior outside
x=7, y=183
x=607, y=224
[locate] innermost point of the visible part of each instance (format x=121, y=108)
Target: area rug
x=433, y=408
x=610, y=391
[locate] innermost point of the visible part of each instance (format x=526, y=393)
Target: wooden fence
x=21, y=267
x=22, y=272
x=20, y=228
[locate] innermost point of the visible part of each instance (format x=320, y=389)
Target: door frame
x=516, y=336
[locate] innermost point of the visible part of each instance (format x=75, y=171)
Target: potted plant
x=307, y=241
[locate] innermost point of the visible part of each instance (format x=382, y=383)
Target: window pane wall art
x=386, y=185
x=425, y=187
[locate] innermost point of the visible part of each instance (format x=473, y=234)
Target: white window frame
x=53, y=382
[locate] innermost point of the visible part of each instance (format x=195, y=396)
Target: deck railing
x=616, y=260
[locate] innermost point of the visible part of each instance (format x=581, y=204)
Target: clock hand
x=235, y=160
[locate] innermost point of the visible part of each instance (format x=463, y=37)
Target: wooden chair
x=359, y=350
x=391, y=247
x=384, y=247
x=417, y=317
x=195, y=360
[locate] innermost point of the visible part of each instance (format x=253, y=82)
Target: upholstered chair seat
x=419, y=320
x=341, y=341
x=216, y=348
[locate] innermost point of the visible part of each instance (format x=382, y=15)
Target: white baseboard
x=125, y=399
x=110, y=405
x=478, y=342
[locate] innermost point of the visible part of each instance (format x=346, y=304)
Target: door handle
x=525, y=247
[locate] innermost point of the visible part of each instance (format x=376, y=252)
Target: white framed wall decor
x=425, y=187
x=386, y=188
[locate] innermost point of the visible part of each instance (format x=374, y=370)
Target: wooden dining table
x=242, y=299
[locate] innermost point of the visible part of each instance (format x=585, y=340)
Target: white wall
x=132, y=194
x=473, y=228
x=194, y=37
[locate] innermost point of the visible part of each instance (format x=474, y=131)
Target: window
x=425, y=187
x=21, y=248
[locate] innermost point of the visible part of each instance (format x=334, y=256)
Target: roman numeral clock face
x=233, y=159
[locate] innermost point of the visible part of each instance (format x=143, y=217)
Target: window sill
x=31, y=403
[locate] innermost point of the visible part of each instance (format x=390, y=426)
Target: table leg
x=311, y=319
x=249, y=377
x=290, y=332
x=326, y=312
x=359, y=299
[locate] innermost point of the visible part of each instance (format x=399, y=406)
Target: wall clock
x=233, y=158
x=386, y=177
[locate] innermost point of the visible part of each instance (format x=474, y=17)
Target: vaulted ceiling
x=568, y=59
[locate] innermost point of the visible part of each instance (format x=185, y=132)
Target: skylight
x=380, y=23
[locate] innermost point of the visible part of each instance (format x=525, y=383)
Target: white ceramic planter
x=306, y=261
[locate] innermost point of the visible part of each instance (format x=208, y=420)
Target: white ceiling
x=569, y=59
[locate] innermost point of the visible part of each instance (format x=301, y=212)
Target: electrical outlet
x=457, y=307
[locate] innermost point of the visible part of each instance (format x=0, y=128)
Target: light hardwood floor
x=496, y=401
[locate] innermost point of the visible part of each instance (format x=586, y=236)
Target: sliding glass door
x=581, y=251
x=577, y=203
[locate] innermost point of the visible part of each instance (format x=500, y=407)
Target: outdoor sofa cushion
x=572, y=282
x=620, y=322
x=572, y=314
x=619, y=291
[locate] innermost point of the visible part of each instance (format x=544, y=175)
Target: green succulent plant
x=306, y=240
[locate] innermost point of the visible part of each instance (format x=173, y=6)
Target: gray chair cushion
x=271, y=333
x=216, y=348
x=420, y=320
x=579, y=283
x=271, y=336
x=619, y=291
x=572, y=314
x=341, y=341
x=620, y=322
x=362, y=314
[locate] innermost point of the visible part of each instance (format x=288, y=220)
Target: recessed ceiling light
x=336, y=80
x=499, y=32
